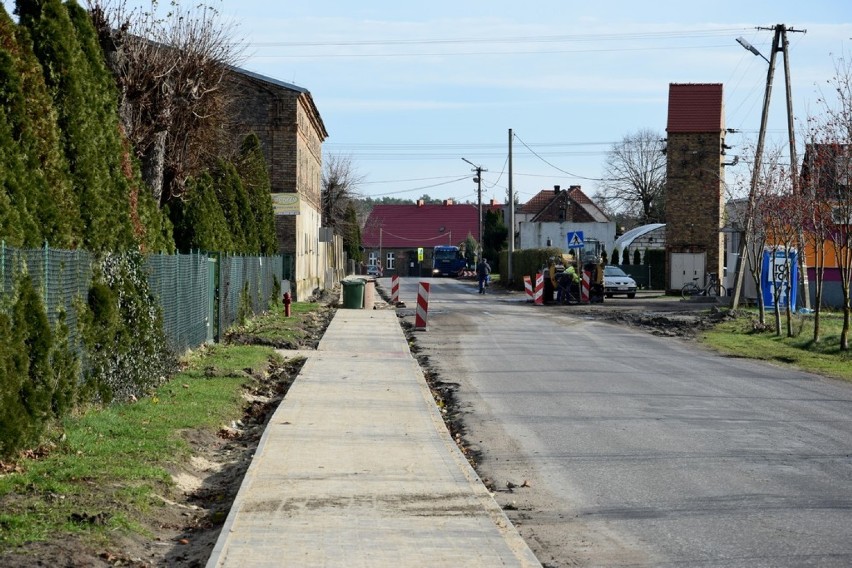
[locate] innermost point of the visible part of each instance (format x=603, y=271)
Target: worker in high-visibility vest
x=569, y=285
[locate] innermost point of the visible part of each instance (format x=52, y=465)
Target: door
x=686, y=266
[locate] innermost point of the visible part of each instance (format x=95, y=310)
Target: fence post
x=218, y=296
x=45, y=266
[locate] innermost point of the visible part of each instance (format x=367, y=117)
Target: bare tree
x=340, y=183
x=832, y=131
x=170, y=72
x=818, y=223
x=635, y=177
x=782, y=210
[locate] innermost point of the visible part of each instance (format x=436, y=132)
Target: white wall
x=310, y=256
x=535, y=235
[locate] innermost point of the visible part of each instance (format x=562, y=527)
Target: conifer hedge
x=68, y=177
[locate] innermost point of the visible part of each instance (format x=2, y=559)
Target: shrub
x=526, y=262
x=123, y=332
x=38, y=372
x=252, y=168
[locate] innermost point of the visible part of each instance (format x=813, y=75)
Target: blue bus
x=447, y=261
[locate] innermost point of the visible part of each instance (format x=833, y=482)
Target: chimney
x=420, y=203
x=448, y=202
x=556, y=189
x=573, y=187
x=493, y=202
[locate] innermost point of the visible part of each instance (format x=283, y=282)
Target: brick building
x=291, y=132
x=393, y=233
x=695, y=178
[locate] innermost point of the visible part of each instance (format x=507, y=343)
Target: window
x=390, y=261
x=373, y=258
x=842, y=167
x=841, y=216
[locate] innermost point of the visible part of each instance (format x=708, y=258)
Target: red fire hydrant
x=287, y=302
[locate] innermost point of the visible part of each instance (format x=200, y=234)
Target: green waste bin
x=353, y=294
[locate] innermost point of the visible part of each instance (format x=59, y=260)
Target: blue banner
x=779, y=271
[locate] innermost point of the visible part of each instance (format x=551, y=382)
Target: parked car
x=617, y=282
x=374, y=270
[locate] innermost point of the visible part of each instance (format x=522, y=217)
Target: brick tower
x=695, y=179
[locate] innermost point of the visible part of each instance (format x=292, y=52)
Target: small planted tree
x=833, y=131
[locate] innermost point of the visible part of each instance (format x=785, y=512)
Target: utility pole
x=478, y=180
x=779, y=43
x=511, y=215
x=794, y=165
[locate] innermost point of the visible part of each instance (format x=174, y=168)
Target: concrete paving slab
x=356, y=468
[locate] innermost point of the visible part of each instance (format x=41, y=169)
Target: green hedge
x=525, y=262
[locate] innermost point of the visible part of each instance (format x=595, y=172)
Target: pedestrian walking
x=483, y=270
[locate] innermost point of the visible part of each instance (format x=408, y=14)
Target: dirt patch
x=684, y=324
x=306, y=336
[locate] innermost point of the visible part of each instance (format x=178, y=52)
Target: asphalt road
x=613, y=447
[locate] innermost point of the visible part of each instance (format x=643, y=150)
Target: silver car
x=617, y=282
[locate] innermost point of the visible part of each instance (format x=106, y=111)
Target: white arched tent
x=645, y=237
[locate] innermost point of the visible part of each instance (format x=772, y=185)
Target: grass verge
x=744, y=337
x=110, y=472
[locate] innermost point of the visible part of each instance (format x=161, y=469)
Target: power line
x=554, y=166
x=418, y=188
x=460, y=53
x=679, y=34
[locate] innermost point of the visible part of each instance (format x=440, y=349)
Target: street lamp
x=752, y=194
x=478, y=180
x=741, y=40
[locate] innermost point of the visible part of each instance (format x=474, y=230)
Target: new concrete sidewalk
x=356, y=468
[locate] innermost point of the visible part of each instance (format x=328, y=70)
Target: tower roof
x=695, y=107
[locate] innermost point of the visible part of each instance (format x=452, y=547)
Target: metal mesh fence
x=62, y=277
x=247, y=278
x=182, y=284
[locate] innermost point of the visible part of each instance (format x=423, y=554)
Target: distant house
x=547, y=218
x=826, y=171
x=291, y=133
x=393, y=233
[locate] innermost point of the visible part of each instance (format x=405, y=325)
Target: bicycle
x=713, y=287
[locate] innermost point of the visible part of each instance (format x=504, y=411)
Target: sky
x=410, y=90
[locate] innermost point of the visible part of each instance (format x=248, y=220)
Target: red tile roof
x=587, y=204
x=412, y=226
x=546, y=196
x=538, y=202
x=695, y=108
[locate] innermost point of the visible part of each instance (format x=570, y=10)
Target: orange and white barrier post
x=584, y=293
x=422, y=307
x=395, y=289
x=528, y=288
x=538, y=295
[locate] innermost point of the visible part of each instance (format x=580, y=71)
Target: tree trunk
x=154, y=166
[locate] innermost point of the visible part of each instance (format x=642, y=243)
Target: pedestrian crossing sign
x=575, y=239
